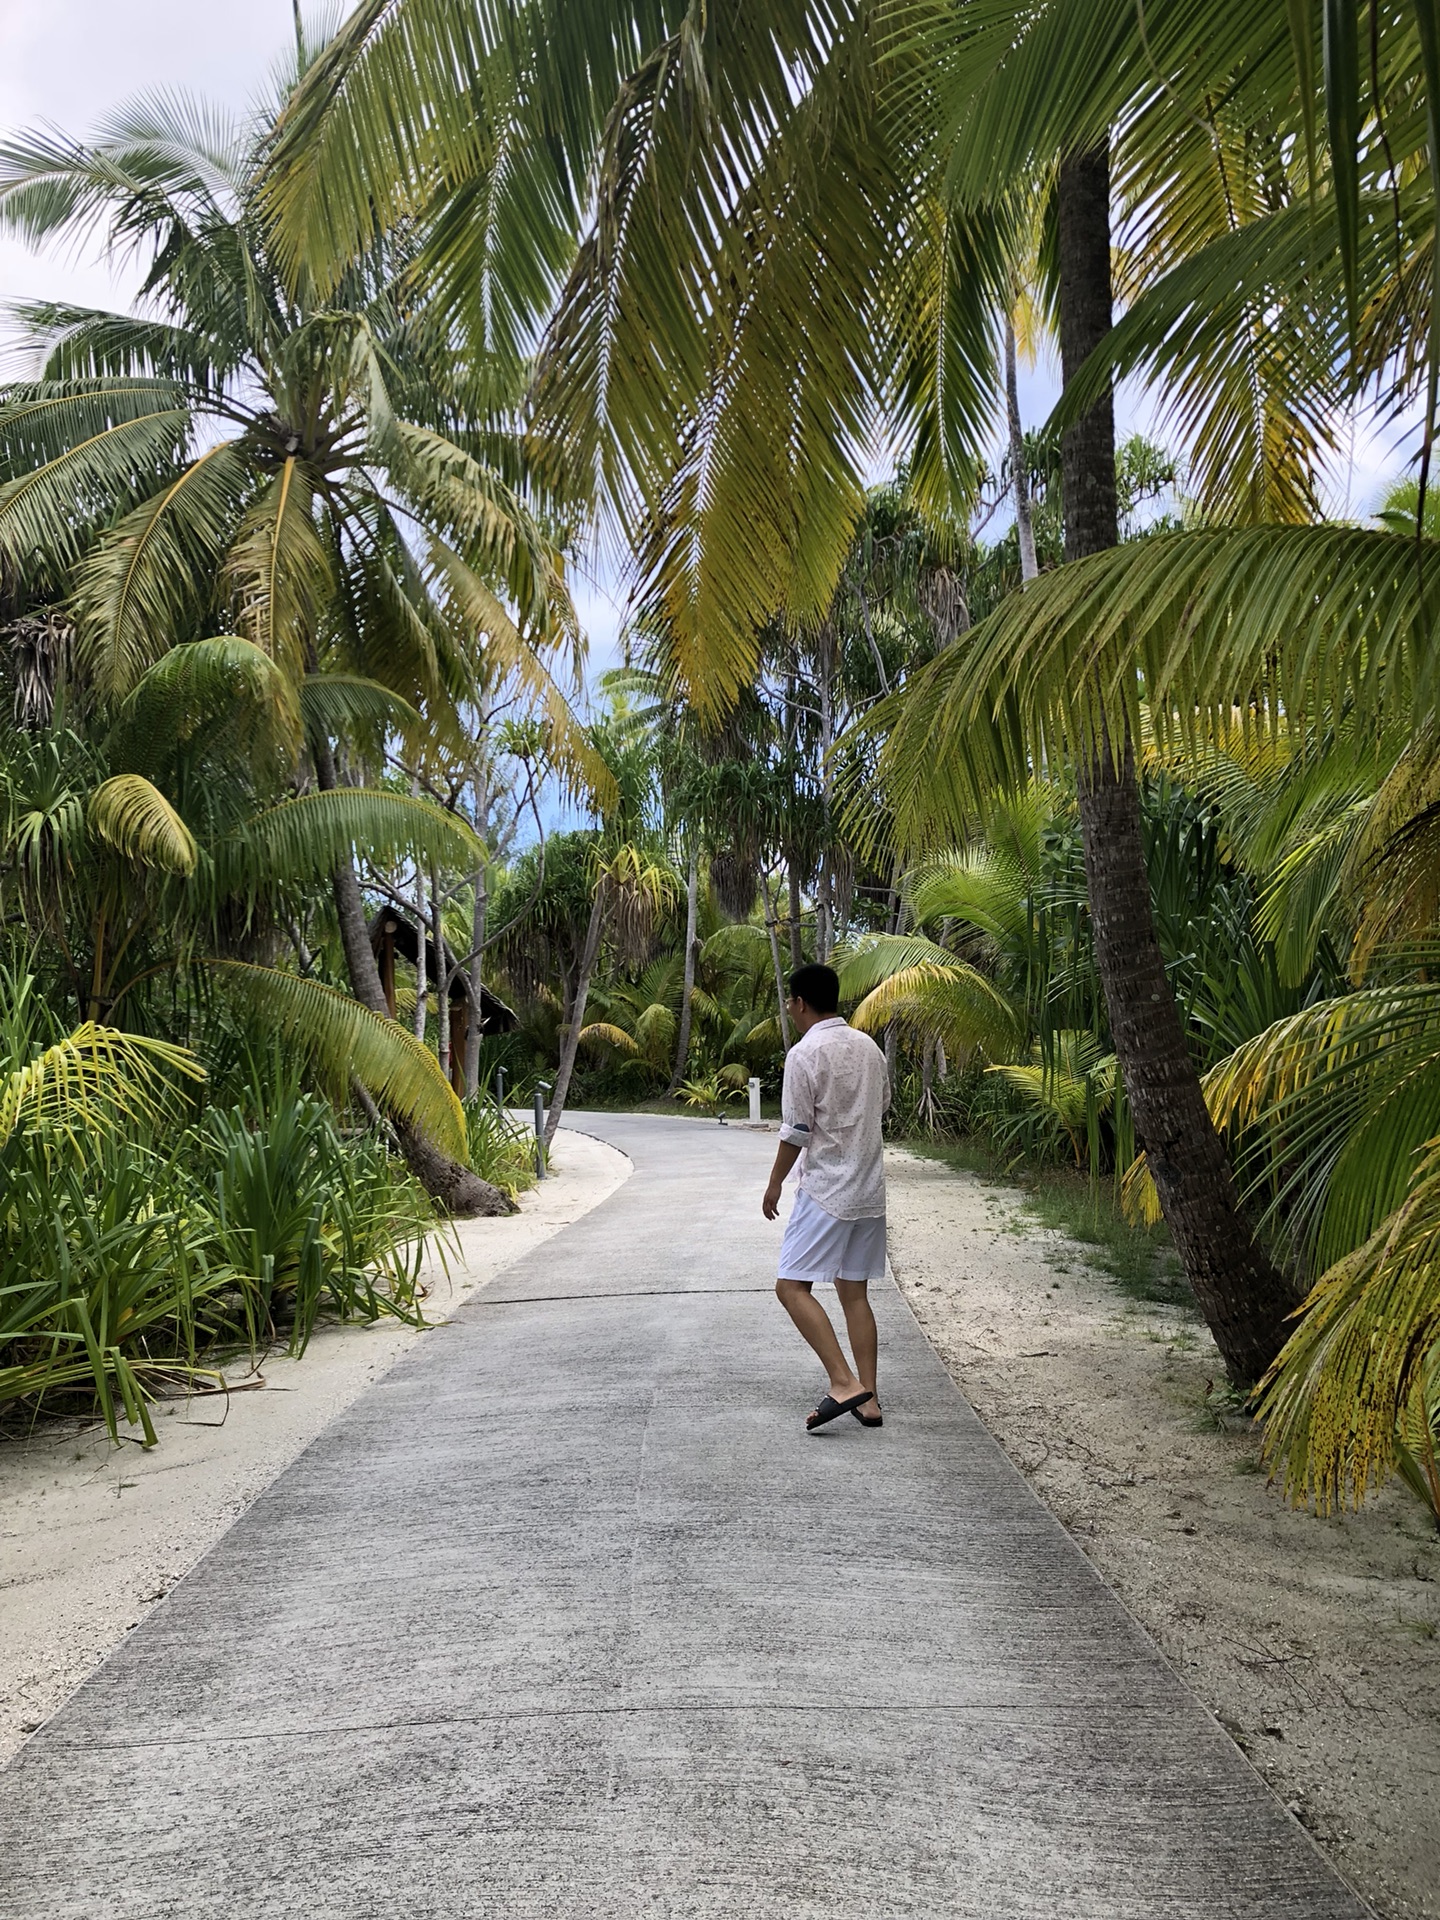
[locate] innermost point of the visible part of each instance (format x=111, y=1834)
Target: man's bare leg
x=864, y=1339
x=818, y=1333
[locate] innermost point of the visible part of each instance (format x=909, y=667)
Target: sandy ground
x=92, y=1536
x=1316, y=1643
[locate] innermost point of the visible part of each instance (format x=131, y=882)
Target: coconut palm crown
x=317, y=477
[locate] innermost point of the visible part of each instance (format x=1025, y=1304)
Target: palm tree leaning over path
x=320, y=476
x=730, y=330
x=998, y=72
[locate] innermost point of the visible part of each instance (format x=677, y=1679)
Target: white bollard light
x=754, y=1103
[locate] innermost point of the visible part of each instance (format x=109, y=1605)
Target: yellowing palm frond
x=1360, y=1371
x=135, y=818
x=1075, y=1087
x=606, y=1033
x=92, y=1078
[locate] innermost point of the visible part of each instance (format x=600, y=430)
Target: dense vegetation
x=1105, y=774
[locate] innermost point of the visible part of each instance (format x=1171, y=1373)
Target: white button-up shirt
x=836, y=1093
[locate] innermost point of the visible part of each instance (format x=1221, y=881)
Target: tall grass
x=501, y=1149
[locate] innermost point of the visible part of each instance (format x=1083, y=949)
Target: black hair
x=817, y=986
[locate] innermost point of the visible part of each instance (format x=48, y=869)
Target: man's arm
x=797, y=1115
x=786, y=1154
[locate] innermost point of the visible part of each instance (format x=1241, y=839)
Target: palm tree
x=157, y=850
x=763, y=304
x=630, y=881
x=318, y=476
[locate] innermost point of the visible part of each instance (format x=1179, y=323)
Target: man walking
x=835, y=1095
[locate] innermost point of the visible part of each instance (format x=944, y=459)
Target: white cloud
x=69, y=63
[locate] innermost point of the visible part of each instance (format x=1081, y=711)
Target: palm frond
x=192, y=685
x=878, y=957
x=953, y=1003
x=279, y=571
x=79, y=456
x=1294, y=624
x=606, y=1033
x=304, y=838
x=344, y=1039
x=1359, y=1372
x=135, y=818
x=94, y=1078
x=336, y=705
x=144, y=585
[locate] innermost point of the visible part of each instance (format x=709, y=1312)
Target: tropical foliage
x=1133, y=799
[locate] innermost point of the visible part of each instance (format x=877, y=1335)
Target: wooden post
x=459, y=1008
x=387, y=963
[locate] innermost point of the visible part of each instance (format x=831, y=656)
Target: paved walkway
x=570, y=1617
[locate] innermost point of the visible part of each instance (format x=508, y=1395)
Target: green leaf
x=343, y=1039
x=305, y=838
x=135, y=818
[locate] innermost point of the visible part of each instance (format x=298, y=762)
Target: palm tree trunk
x=570, y=1039
x=457, y=1188
x=475, y=1008
x=1019, y=479
x=1238, y=1289
x=797, y=950
x=692, y=904
x=443, y=975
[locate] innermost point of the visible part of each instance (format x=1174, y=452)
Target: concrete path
x=645, y=1647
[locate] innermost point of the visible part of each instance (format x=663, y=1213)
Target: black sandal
x=831, y=1409
x=878, y=1421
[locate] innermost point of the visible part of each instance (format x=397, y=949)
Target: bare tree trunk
x=570, y=1038
x=422, y=983
x=772, y=928
x=1019, y=478
x=475, y=1012
x=1241, y=1294
x=692, y=907
x=457, y=1188
x=797, y=950
x=443, y=974
x=825, y=906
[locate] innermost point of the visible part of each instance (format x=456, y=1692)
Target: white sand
x=92, y=1535
x=1317, y=1643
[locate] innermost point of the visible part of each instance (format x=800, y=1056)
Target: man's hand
x=785, y=1157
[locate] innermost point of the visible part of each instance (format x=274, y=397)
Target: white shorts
x=819, y=1248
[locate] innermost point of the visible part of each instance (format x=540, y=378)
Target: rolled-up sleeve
x=797, y=1101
